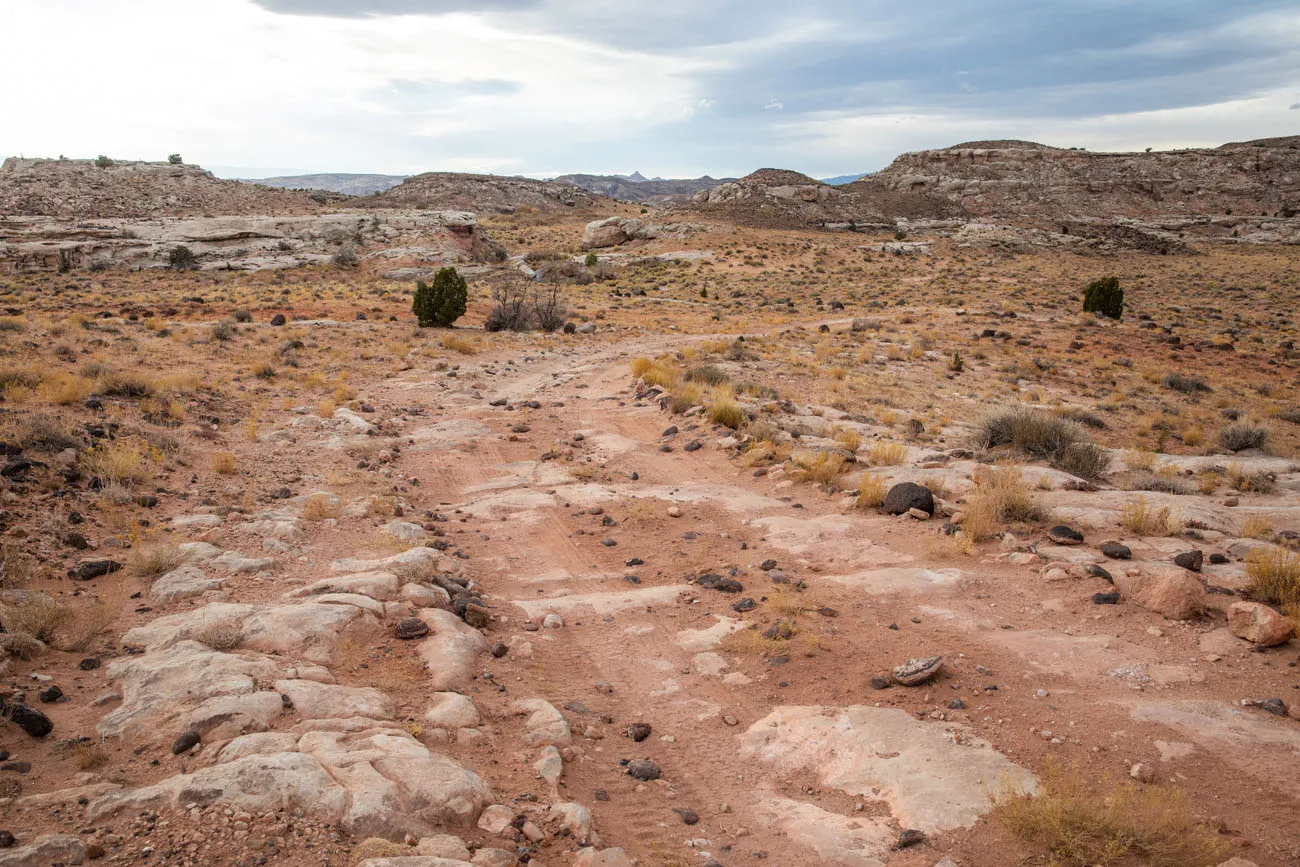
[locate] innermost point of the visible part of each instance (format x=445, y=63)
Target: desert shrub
x=1082, y=823
x=1104, y=296
x=221, y=332
x=104, y=162
x=124, y=462
x=117, y=383
x=1275, y=578
x=441, y=302
x=510, y=309
x=221, y=638
x=548, y=310
x=182, y=258
x=44, y=433
x=9, y=325
x=241, y=316
x=706, y=374
x=1243, y=435
x=1082, y=416
x=1029, y=431
x=458, y=344
x=1184, y=383
x=1242, y=479
x=223, y=463
x=591, y=260
x=20, y=377
x=1256, y=527
x=175, y=159
x=1085, y=460
x=35, y=615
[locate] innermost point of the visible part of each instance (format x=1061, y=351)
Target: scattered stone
x=1063, y=535
x=499, y=650
x=7, y=840
x=1116, y=550
x=910, y=837
x=88, y=570
x=186, y=741
x=643, y=770
x=956, y=704
x=26, y=717
x=1097, y=572
x=880, y=682
x=1111, y=598
x=908, y=495
x=50, y=694
x=638, y=731
x=746, y=604
x=689, y=817
x=1274, y=706
x=915, y=672
x=1143, y=773
x=552, y=621
x=1218, y=559
x=90, y=663
x=1190, y=560
x=1259, y=624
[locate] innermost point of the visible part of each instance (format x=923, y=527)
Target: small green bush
x=441, y=302
x=1104, y=296
x=182, y=258
x=104, y=162
x=591, y=260
x=175, y=159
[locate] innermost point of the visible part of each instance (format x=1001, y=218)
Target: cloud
x=672, y=88
x=1295, y=106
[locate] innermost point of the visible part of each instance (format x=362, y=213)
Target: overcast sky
x=670, y=87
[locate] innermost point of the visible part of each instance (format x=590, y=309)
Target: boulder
x=183, y=583
x=906, y=496
x=1171, y=592
x=1259, y=624
x=451, y=710
x=51, y=849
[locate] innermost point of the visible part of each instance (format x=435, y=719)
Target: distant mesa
x=482, y=193
x=345, y=184
x=637, y=188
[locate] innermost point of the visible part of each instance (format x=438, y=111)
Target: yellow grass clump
x=1275, y=578
x=1143, y=519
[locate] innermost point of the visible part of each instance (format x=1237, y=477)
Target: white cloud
x=773, y=104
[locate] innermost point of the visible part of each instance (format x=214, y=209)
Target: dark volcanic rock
x=27, y=718
x=908, y=495
x=643, y=770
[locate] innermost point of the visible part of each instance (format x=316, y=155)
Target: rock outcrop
x=635, y=188
x=85, y=189
x=481, y=193
x=246, y=243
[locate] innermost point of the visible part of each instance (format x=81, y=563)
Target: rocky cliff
x=634, y=188
x=1014, y=178
x=81, y=188
x=481, y=193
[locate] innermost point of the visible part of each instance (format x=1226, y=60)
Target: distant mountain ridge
x=637, y=188
x=335, y=182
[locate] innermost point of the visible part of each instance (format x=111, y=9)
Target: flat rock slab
x=934, y=777
x=856, y=841
x=698, y=640
x=610, y=602
x=900, y=579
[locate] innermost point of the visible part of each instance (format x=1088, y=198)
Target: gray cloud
x=376, y=8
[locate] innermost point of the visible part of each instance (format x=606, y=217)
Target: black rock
x=957, y=704
x=693, y=446
x=16, y=767
x=1190, y=560
x=7, y=840
x=277, y=320
x=1098, y=572
x=146, y=501
x=643, y=770
x=87, y=570
x=910, y=837
x=409, y=628
x=76, y=540
x=1116, y=550
x=1105, y=598
x=908, y=495
x=690, y=817
x=1272, y=705
x=27, y=718
x=499, y=650
x=185, y=742
x=879, y=682
x=90, y=663
x=638, y=731
x=634, y=561
x=1218, y=559
x=746, y=604
x=669, y=431
x=601, y=795
x=51, y=693
x=1063, y=535
x=767, y=565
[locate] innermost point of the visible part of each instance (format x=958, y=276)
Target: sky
x=675, y=88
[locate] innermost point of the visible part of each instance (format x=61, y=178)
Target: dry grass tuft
x=882, y=454
x=154, y=561
x=819, y=468
x=871, y=493
x=1083, y=822
x=462, y=345
x=1001, y=496
x=223, y=463
x=319, y=507
x=221, y=638
x=1275, y=578
x=1249, y=482
x=89, y=755
x=1257, y=527
x=1143, y=519
x=126, y=462
x=727, y=413
x=35, y=615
